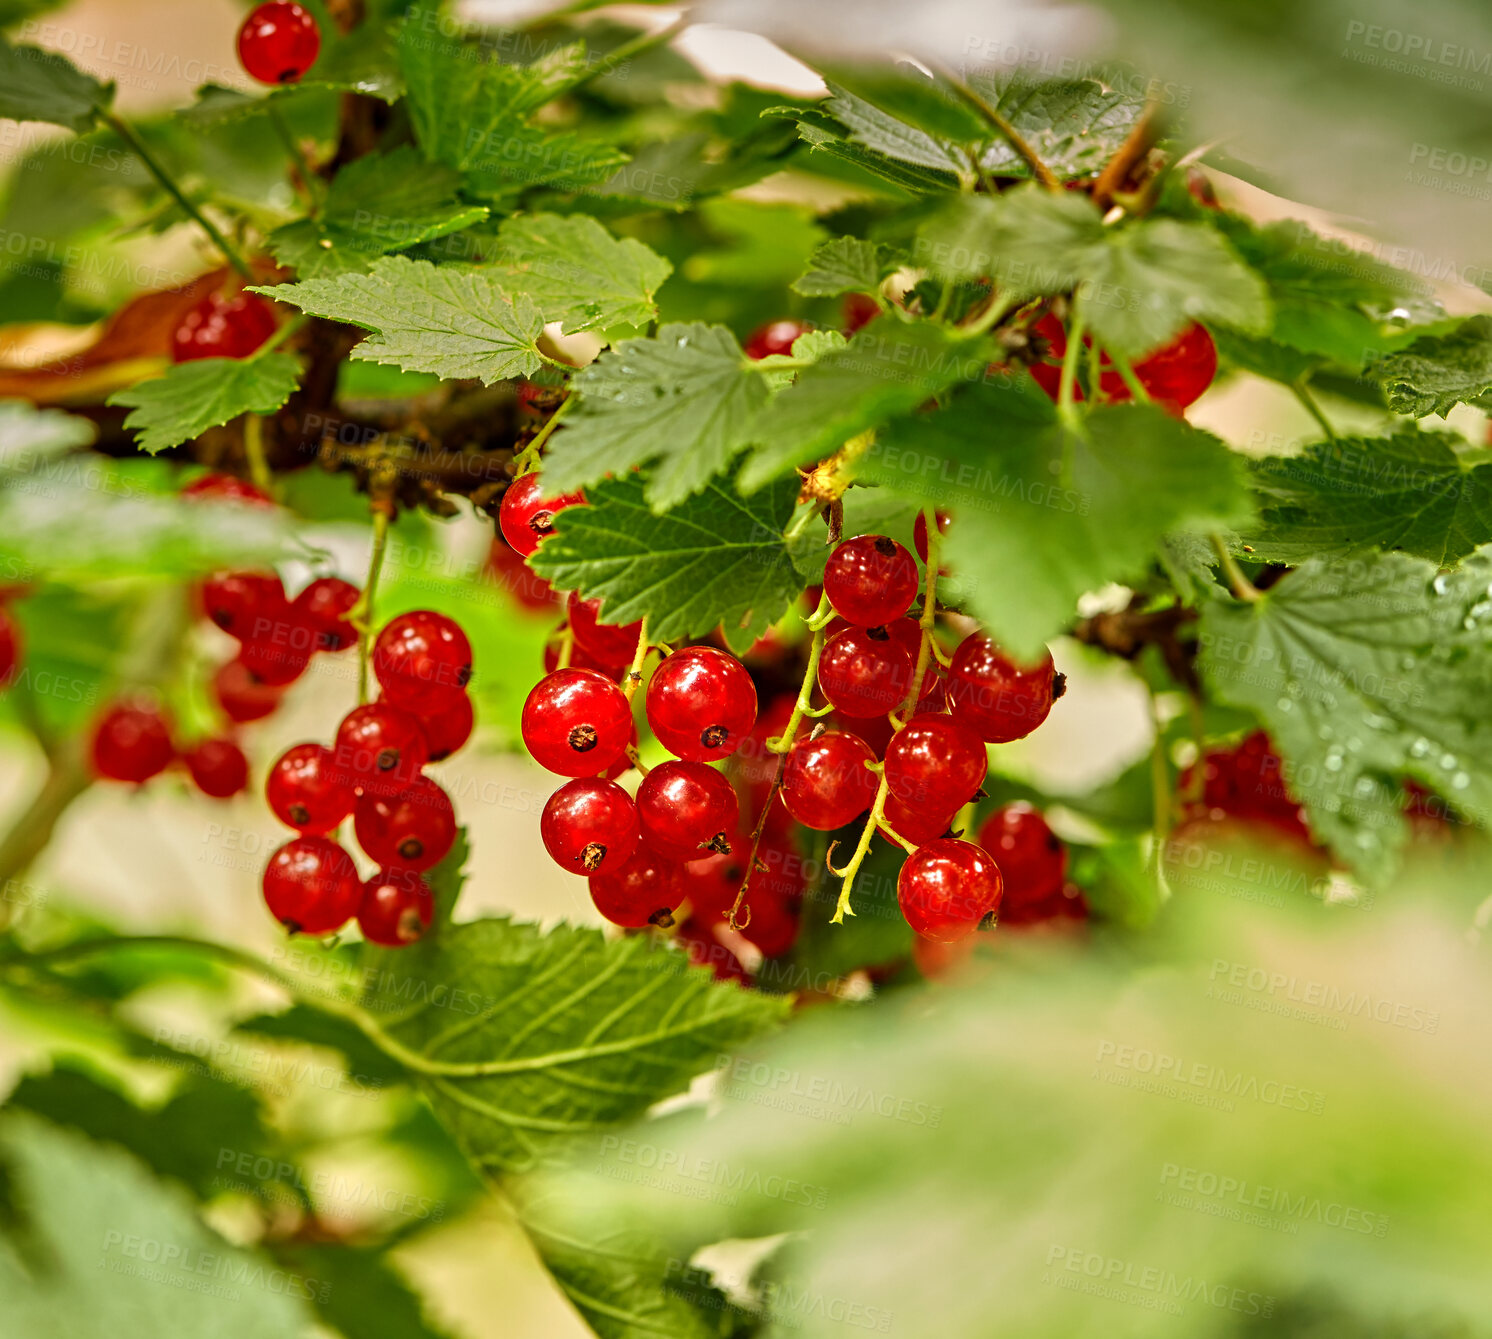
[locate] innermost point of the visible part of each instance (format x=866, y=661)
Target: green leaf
x=717, y=559
x=893, y=137
x=29, y=436
x=375, y=205
x=451, y=320
x=93, y=1248
x=764, y=245
x=1073, y=125
x=681, y=401
x=188, y=398
x=577, y=273
x=1411, y=491
x=845, y=265
x=1438, y=372
x=1365, y=671
x=38, y=85
x=365, y=1297
x=1043, y=514
x=889, y=367
x=821, y=137
x=916, y=101
x=1027, y=241
x=580, y=1032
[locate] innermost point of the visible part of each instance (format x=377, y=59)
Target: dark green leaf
x=845, y=265
x=1438, y=372
x=1073, y=125
x=188, y=398
x=37, y=85
x=893, y=137
x=365, y=1297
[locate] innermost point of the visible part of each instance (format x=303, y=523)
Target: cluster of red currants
x=1245, y=783
x=374, y=771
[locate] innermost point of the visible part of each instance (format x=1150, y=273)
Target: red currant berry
x=278, y=42
x=448, y=727
x=380, y=749
x=131, y=742
x=395, y=908
x=1031, y=857
x=411, y=830
x=590, y=826
x=870, y=580
x=775, y=337
x=937, y=961
x=705, y=950
x=307, y=790
x=323, y=607
x=241, y=695
x=311, y=886
x=223, y=327
x=947, y=888
x=826, y=783
x=859, y=310
x=1199, y=186
x=864, y=672
x=1174, y=375
x=919, y=826
x=687, y=808
x=919, y=531
x=643, y=891
x=241, y=602
x=772, y=925
x=611, y=644
x=580, y=658
x=933, y=697
x=520, y=580
x=935, y=763
x=10, y=649
x=576, y=722
x=225, y=488
x=421, y=659
x=218, y=767
x=278, y=650
x=526, y=516
x=701, y=704
x=994, y=696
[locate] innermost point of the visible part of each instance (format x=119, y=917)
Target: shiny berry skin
x=919, y=531
x=1031, y=857
x=994, y=696
x=323, y=607
x=241, y=602
x=701, y=704
x=933, y=696
x=590, y=826
x=576, y=722
x=1174, y=375
x=421, y=659
x=278, y=42
x=131, y=742
x=226, y=488
x=223, y=327
x=526, y=516
x=311, y=886
x=870, y=580
x=935, y=763
x=380, y=749
x=242, y=696
x=643, y=891
x=863, y=674
x=825, y=782
x=307, y=790
x=449, y=726
x=278, y=650
x=946, y=888
x=687, y=809
x=218, y=768
x=411, y=830
x=919, y=826
x=610, y=644
x=775, y=337
x=395, y=908
x=10, y=648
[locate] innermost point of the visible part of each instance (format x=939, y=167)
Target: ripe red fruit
x=526, y=516
x=10, y=648
x=859, y=310
x=131, y=742
x=241, y=603
x=772, y=924
x=701, y=703
x=864, y=672
x=1174, y=375
x=1031, y=857
x=576, y=722
x=994, y=696
x=870, y=580
x=218, y=767
x=226, y=488
x=411, y=830
x=590, y=826
x=520, y=580
x=611, y=644
x=686, y=808
x=919, y=531
x=311, y=886
x=278, y=649
x=421, y=659
x=946, y=888
x=279, y=42
x=307, y=790
x=242, y=696
x=323, y=607
x=933, y=695
x=395, y=908
x=705, y=950
x=775, y=337
x=826, y=783
x=935, y=763
x=380, y=749
x=643, y=891
x=448, y=727
x=223, y=327
x=919, y=826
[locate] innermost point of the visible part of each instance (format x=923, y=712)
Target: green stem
x=1160, y=779
x=990, y=113
x=994, y=311
x=804, y=704
x=634, y=672
x=528, y=458
x=253, y=449
x=1127, y=372
x=1308, y=401
x=635, y=46
x=361, y=614
x=1069, y=379
x=842, y=907
x=315, y=187
x=285, y=330
x=1240, y=585
x=929, y=613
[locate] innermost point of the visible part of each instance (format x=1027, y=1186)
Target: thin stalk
x=1240, y=585
x=634, y=673
x=842, y=907
x=253, y=449
x=1017, y=141
x=803, y=706
x=993, y=312
x=1069, y=379
x=1160, y=780
x=1308, y=401
x=929, y=613
x=528, y=458
x=1126, y=370
x=315, y=187
x=362, y=613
